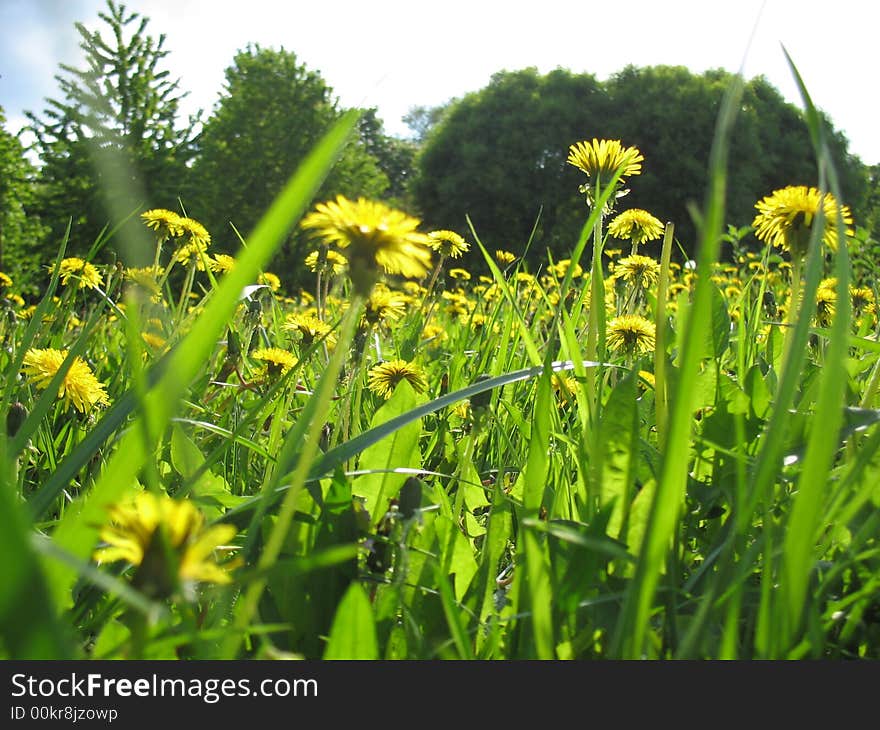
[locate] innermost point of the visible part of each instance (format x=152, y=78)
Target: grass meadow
x=612, y=455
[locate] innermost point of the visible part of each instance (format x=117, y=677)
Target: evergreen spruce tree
x=112, y=145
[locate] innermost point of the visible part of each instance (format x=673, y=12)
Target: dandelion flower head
x=79, y=387
x=631, y=335
x=447, y=243
x=600, y=159
x=636, y=225
x=137, y=527
x=166, y=223
x=384, y=378
x=373, y=235
x=786, y=216
x=86, y=273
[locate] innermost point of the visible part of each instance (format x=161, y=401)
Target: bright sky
x=396, y=54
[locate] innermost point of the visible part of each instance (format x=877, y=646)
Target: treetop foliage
x=498, y=155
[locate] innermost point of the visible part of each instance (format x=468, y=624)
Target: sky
x=395, y=55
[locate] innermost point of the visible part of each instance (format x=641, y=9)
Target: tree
x=272, y=111
x=422, y=119
x=394, y=156
x=499, y=154
x=670, y=113
x=113, y=143
x=18, y=227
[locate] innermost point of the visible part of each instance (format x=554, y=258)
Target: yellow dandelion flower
x=564, y=386
x=193, y=251
x=76, y=268
x=414, y=289
x=457, y=303
x=638, y=270
x=309, y=327
x=168, y=542
x=826, y=302
x=224, y=263
x=863, y=303
x=646, y=380
x=327, y=262
x=504, y=258
x=447, y=243
x=636, y=225
x=478, y=321
x=270, y=280
x=785, y=218
x=5, y=282
x=460, y=274
x=462, y=410
x=157, y=342
x=146, y=278
x=383, y=305
x=600, y=159
x=16, y=299
x=79, y=387
x=197, y=233
x=434, y=332
x=374, y=236
x=277, y=361
x=165, y=222
x=306, y=298
x=631, y=335
x=383, y=378
x=612, y=253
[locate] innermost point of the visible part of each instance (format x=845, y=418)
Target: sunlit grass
x=468, y=461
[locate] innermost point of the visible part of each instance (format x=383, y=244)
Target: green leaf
x=539, y=589
x=398, y=449
x=353, y=633
x=456, y=555
x=537, y=462
x=720, y=327
x=453, y=617
x=186, y=458
x=619, y=440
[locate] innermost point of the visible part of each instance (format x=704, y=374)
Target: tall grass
x=544, y=495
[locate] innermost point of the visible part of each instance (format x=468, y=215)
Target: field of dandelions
x=615, y=454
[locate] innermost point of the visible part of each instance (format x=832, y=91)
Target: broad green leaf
x=456, y=555
x=399, y=450
x=539, y=590
x=537, y=462
x=353, y=633
x=619, y=441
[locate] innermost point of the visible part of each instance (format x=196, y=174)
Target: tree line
x=114, y=145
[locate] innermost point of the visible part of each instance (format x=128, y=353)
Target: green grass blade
x=806, y=516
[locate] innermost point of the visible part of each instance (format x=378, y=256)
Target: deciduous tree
x=271, y=113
